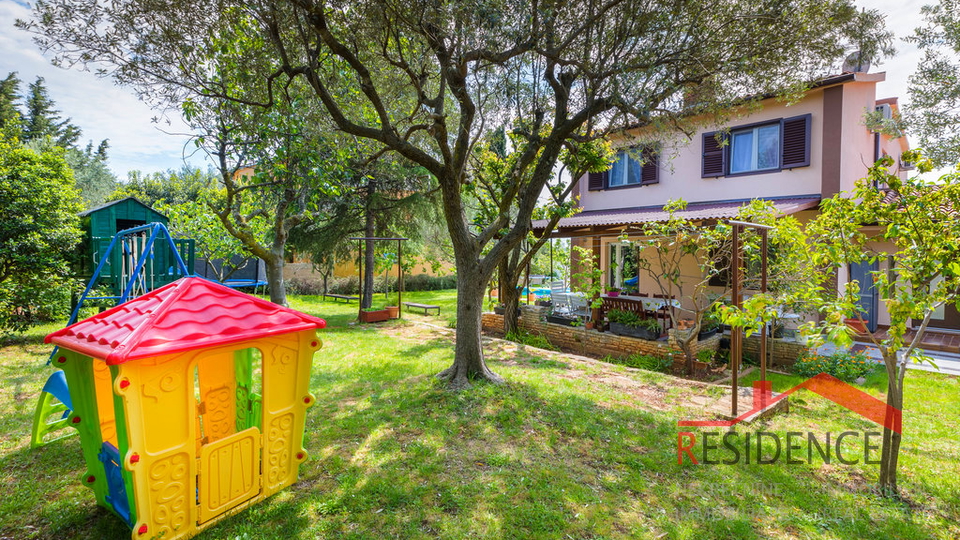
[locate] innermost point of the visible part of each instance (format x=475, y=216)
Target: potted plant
x=393, y=312
x=857, y=325
x=499, y=309
x=709, y=326
x=613, y=292
x=557, y=318
x=626, y=323
x=703, y=361
x=374, y=315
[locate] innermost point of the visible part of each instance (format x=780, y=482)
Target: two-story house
x=791, y=154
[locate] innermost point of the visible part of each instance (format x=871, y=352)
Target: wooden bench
x=348, y=298
x=425, y=307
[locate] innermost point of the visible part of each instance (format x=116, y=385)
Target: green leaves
x=39, y=205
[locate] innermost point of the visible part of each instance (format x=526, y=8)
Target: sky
x=104, y=110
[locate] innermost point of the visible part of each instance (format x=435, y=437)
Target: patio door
x=869, y=299
x=622, y=264
x=945, y=317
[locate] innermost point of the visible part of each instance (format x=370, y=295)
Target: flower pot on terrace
x=613, y=294
x=631, y=331
x=556, y=319
x=704, y=334
x=857, y=325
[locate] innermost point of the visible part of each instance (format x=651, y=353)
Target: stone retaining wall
x=785, y=352
x=592, y=342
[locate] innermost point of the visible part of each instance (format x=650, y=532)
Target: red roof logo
x=190, y=313
x=827, y=386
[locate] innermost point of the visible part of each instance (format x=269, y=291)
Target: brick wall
x=591, y=342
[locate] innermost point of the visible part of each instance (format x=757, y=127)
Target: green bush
x=648, y=362
x=533, y=340
x=27, y=301
x=706, y=356
x=351, y=285
x=631, y=319
x=845, y=366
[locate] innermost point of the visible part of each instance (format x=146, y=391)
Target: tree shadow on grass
x=515, y=460
x=420, y=350
x=395, y=454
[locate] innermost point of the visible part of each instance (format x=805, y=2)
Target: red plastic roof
x=190, y=313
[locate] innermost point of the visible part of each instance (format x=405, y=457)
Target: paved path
x=948, y=363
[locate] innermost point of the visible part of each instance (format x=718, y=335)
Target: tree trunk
x=278, y=293
x=468, y=363
x=890, y=452
x=510, y=298
x=368, y=261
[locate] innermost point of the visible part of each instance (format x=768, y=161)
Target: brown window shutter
x=597, y=181
x=714, y=156
x=650, y=173
x=795, y=151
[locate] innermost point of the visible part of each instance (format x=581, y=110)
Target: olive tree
x=426, y=78
x=933, y=114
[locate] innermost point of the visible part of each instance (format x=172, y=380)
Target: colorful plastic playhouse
x=190, y=402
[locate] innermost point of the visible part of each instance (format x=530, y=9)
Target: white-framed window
x=755, y=148
x=626, y=170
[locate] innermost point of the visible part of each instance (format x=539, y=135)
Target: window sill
x=628, y=186
x=754, y=173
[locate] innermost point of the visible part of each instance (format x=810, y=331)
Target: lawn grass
x=567, y=448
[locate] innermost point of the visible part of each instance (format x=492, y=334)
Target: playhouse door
x=229, y=473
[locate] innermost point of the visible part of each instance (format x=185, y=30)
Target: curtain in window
x=768, y=147
x=635, y=171
x=741, y=158
x=617, y=172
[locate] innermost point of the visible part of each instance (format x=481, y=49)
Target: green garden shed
x=102, y=223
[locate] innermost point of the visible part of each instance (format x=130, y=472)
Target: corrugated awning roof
x=649, y=214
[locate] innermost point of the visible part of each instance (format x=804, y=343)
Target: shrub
x=27, y=301
x=533, y=340
x=706, y=356
x=351, y=285
x=648, y=362
x=423, y=282
x=631, y=319
x=845, y=366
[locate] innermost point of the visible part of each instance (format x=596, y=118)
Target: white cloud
x=99, y=107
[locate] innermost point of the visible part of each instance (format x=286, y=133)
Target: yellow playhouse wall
x=161, y=411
